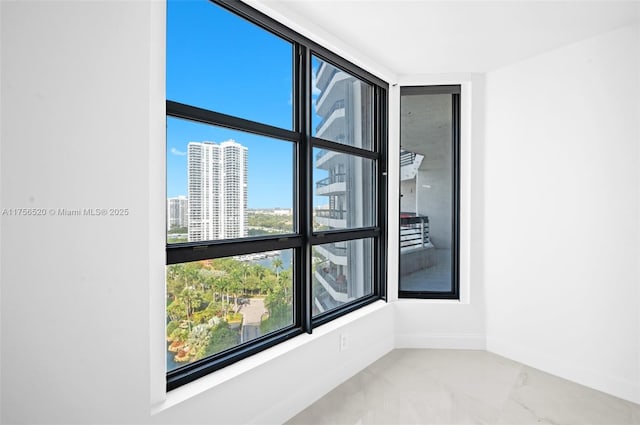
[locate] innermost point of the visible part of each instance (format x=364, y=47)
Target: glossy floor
x=462, y=387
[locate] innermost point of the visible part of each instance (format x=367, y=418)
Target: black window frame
x=303, y=237
x=454, y=90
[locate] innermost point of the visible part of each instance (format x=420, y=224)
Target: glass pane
x=342, y=106
x=222, y=184
x=214, y=305
x=343, y=191
x=221, y=62
x=342, y=272
x=426, y=193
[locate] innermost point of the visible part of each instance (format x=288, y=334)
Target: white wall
x=445, y=323
x=82, y=126
x=562, y=212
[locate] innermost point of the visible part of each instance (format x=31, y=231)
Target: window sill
x=429, y=301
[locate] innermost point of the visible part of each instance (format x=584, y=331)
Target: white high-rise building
x=217, y=187
x=343, y=269
x=177, y=212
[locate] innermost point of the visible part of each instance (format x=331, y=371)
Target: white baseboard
x=441, y=341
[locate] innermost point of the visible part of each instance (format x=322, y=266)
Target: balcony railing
x=336, y=178
x=339, y=284
x=414, y=231
x=339, y=104
x=407, y=158
x=329, y=213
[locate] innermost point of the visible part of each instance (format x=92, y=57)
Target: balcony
x=324, y=75
x=323, y=157
x=414, y=232
x=333, y=92
x=336, y=287
x=336, y=219
x=339, y=104
x=416, y=249
x=323, y=302
x=332, y=184
x=333, y=126
x=336, y=254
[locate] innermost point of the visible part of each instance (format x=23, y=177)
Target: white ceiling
x=422, y=37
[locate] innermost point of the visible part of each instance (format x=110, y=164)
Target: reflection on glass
x=343, y=191
x=426, y=193
x=214, y=305
x=222, y=184
x=342, y=272
x=221, y=62
x=342, y=106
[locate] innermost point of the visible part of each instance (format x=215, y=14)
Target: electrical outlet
x=344, y=342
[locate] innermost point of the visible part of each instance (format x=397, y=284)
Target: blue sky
x=218, y=61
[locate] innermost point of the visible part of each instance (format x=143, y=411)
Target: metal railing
x=336, y=178
x=407, y=158
x=329, y=213
x=414, y=231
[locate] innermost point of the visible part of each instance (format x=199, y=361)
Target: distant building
x=217, y=188
x=177, y=212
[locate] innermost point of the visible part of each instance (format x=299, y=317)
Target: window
x=276, y=191
x=429, y=191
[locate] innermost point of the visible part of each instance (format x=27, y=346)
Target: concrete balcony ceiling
x=332, y=126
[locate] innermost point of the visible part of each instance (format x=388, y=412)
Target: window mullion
x=306, y=176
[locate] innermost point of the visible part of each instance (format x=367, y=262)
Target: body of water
x=286, y=255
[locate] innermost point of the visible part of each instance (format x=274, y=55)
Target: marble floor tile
x=462, y=387
x=556, y=400
x=635, y=414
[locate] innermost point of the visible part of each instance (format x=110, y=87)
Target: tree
x=277, y=265
x=235, y=286
x=221, y=339
x=192, y=300
x=175, y=280
x=176, y=311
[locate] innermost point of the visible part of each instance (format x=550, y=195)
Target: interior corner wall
x=562, y=232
